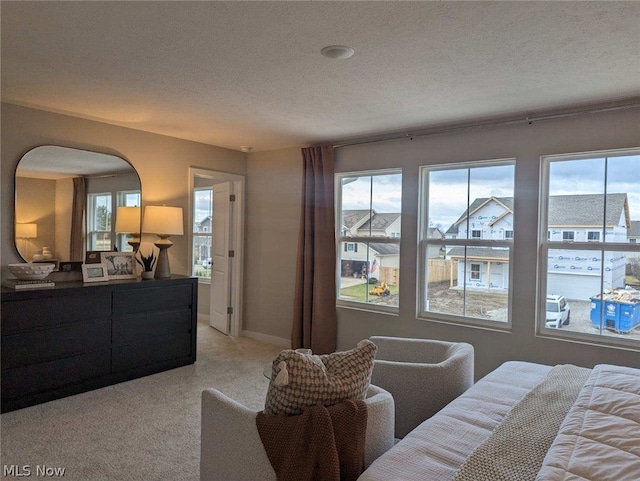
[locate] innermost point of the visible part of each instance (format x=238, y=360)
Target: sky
x=448, y=189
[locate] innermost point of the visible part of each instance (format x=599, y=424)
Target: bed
x=527, y=421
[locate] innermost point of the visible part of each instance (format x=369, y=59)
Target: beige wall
x=613, y=130
x=274, y=190
x=162, y=163
x=37, y=199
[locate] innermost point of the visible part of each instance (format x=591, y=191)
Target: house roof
x=434, y=233
x=380, y=221
x=586, y=209
x=634, y=230
x=385, y=249
x=475, y=205
x=567, y=210
x=352, y=217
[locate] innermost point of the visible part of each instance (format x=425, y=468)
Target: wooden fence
x=390, y=275
x=441, y=270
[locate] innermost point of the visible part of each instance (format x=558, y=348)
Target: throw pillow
x=302, y=380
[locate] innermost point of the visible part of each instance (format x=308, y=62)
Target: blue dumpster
x=619, y=316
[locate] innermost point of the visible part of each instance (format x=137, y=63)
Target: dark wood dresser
x=76, y=337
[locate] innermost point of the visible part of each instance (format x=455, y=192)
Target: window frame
x=340, y=238
x=201, y=235
x=91, y=240
x=544, y=246
x=422, y=313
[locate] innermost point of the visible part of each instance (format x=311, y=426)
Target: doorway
x=216, y=246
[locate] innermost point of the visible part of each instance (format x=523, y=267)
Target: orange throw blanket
x=321, y=444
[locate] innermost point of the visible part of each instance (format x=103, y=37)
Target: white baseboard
x=258, y=336
x=203, y=317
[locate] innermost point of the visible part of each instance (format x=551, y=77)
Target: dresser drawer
x=26, y=380
x=133, y=301
x=156, y=325
x=47, y=312
x=149, y=352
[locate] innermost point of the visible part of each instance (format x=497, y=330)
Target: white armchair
x=422, y=375
x=231, y=449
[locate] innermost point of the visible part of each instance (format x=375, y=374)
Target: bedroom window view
x=202, y=232
x=593, y=285
x=369, y=218
x=467, y=234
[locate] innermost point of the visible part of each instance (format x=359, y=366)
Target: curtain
x=77, y=218
x=314, y=310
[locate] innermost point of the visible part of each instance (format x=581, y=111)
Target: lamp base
x=134, y=242
x=162, y=266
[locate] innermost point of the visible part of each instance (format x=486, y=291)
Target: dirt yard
x=494, y=306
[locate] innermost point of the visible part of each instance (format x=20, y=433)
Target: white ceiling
x=250, y=73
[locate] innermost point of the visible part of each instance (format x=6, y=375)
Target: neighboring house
x=633, y=236
x=433, y=251
x=572, y=218
x=377, y=259
x=202, y=246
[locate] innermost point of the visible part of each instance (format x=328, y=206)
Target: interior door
x=221, y=261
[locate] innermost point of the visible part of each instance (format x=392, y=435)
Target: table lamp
x=128, y=222
x=162, y=221
x=26, y=231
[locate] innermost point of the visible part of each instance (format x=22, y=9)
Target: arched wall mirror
x=68, y=200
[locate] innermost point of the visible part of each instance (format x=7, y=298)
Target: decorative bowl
x=30, y=271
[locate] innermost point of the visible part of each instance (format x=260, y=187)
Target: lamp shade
x=26, y=231
x=128, y=220
x=162, y=220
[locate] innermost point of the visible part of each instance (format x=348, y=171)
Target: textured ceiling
x=250, y=73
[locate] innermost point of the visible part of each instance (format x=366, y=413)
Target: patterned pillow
x=301, y=380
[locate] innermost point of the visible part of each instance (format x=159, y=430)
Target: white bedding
x=436, y=449
x=599, y=439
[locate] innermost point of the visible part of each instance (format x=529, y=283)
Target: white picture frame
x=94, y=273
x=120, y=265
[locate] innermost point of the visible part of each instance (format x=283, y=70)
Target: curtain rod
x=494, y=123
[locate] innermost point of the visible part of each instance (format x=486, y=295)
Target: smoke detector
x=337, y=51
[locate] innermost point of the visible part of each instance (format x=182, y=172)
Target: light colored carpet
x=146, y=429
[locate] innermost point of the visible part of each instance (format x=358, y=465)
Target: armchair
x=231, y=449
x=422, y=375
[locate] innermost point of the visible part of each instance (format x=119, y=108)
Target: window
x=368, y=224
x=128, y=198
x=472, y=204
x=350, y=247
x=201, y=231
x=508, y=234
x=600, y=269
x=593, y=236
x=475, y=272
x=101, y=235
x=99, y=212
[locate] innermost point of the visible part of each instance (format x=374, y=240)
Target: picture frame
x=92, y=257
x=73, y=266
x=94, y=272
x=120, y=265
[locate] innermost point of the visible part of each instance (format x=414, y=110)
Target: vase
x=147, y=274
